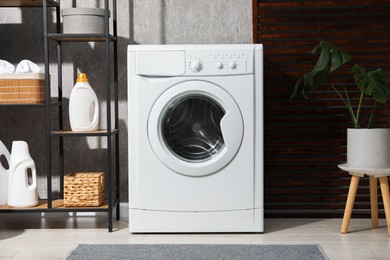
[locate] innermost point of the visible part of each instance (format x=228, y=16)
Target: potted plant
x=366, y=147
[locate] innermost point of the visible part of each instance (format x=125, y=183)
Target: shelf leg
x=47, y=104
x=118, y=213
x=110, y=221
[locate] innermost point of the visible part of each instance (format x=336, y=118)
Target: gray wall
x=139, y=22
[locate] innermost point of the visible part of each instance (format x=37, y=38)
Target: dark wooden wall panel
x=306, y=139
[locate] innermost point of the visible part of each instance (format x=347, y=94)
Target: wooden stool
x=373, y=174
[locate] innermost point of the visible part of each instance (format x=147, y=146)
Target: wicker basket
x=23, y=88
x=84, y=189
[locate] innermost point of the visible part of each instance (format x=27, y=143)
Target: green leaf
x=373, y=83
x=339, y=58
x=330, y=58
x=379, y=85
x=318, y=78
x=323, y=59
x=298, y=88
x=361, y=77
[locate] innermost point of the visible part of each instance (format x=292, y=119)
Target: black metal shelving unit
x=111, y=133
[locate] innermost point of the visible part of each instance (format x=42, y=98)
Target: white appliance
x=195, y=138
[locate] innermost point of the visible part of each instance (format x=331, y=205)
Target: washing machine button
x=232, y=65
x=196, y=65
x=219, y=65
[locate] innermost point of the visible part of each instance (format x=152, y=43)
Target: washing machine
x=195, y=138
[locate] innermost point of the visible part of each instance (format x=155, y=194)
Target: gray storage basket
x=83, y=20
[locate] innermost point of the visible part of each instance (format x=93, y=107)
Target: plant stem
x=348, y=105
x=359, y=105
x=371, y=116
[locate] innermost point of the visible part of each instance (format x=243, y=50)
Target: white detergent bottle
x=83, y=106
x=22, y=180
x=4, y=174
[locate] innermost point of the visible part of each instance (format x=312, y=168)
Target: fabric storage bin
x=22, y=88
x=84, y=189
x=83, y=20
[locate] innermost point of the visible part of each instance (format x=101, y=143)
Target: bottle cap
x=82, y=77
x=19, y=148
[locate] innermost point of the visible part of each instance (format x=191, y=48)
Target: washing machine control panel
x=220, y=62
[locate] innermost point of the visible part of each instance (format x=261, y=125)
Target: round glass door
x=195, y=128
x=191, y=128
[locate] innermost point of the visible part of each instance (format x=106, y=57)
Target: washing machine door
x=195, y=128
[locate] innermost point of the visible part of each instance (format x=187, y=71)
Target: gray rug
x=167, y=252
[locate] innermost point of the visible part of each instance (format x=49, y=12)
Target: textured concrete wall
x=139, y=22
x=193, y=21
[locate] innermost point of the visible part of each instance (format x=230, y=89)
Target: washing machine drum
x=191, y=128
x=195, y=128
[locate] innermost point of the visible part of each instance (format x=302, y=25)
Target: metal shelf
x=110, y=79
x=28, y=3
x=112, y=176
x=37, y=105
x=66, y=37
x=57, y=206
x=40, y=105
x=69, y=133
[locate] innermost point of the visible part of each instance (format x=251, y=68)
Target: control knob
x=219, y=65
x=232, y=65
x=196, y=66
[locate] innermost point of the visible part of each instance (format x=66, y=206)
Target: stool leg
x=374, y=201
x=350, y=201
x=386, y=199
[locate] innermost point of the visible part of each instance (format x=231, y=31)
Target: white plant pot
x=368, y=148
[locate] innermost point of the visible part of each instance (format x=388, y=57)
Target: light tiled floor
x=31, y=236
